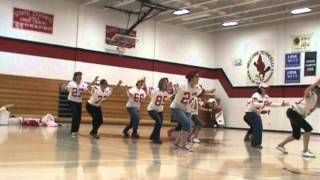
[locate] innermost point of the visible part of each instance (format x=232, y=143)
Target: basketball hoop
x=122, y=40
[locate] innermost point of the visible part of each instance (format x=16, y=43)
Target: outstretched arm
x=144, y=84
x=275, y=104
x=119, y=84
x=310, y=88
x=64, y=86
x=93, y=83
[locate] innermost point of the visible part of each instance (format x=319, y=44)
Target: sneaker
x=195, y=140
x=188, y=147
x=156, y=142
x=282, y=149
x=74, y=134
x=125, y=134
x=95, y=135
x=135, y=136
x=308, y=154
x=191, y=138
x=257, y=146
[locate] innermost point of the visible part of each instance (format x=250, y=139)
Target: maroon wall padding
x=76, y=54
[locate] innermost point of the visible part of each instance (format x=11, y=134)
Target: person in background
x=98, y=95
x=297, y=114
x=135, y=95
x=196, y=104
x=76, y=88
x=255, y=107
x=155, y=108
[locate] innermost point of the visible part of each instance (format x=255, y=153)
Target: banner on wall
x=260, y=67
x=127, y=43
x=292, y=76
x=310, y=63
x=292, y=60
x=301, y=42
x=32, y=20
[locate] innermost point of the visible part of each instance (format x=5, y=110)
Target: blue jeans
x=134, y=118
x=158, y=117
x=197, y=121
x=184, y=118
x=255, y=122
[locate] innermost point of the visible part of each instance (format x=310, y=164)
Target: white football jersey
x=256, y=103
x=158, y=99
x=305, y=105
x=184, y=95
x=195, y=103
x=137, y=96
x=98, y=96
x=76, y=90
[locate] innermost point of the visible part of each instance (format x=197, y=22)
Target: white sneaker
x=308, y=154
x=74, y=134
x=191, y=138
x=188, y=147
x=282, y=149
x=195, y=140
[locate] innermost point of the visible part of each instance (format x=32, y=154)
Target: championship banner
x=127, y=43
x=292, y=76
x=32, y=20
x=310, y=63
x=292, y=60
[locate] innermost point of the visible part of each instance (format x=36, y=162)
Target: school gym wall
x=277, y=39
x=78, y=44
x=79, y=33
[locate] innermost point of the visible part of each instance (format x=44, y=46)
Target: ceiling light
x=301, y=10
x=230, y=23
x=180, y=12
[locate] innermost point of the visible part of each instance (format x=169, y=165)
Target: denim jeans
x=184, y=118
x=255, y=122
x=158, y=117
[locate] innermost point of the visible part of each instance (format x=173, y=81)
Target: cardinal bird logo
x=260, y=67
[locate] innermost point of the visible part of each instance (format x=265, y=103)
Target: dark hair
x=191, y=74
x=259, y=90
x=202, y=93
x=140, y=81
x=75, y=75
x=161, y=81
x=103, y=82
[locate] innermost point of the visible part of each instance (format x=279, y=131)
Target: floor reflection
x=44, y=153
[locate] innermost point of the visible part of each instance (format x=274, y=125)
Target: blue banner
x=292, y=76
x=293, y=60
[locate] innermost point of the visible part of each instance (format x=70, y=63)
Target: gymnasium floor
x=41, y=153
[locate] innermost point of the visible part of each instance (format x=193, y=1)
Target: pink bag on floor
x=49, y=120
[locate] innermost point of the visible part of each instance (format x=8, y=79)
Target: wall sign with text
x=292, y=76
x=292, y=60
x=32, y=20
x=310, y=63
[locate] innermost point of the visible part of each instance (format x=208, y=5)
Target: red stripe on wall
x=113, y=60
x=37, y=49
x=67, y=53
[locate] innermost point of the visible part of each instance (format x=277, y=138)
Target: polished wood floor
x=50, y=153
